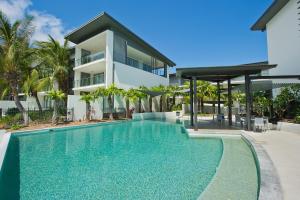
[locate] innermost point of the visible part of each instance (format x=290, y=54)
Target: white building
x=107, y=52
x=281, y=21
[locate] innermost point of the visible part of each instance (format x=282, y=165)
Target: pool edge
x=270, y=186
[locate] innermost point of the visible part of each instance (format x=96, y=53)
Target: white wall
x=129, y=77
x=79, y=107
x=283, y=38
x=109, y=57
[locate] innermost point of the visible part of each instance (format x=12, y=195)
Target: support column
x=219, y=98
x=248, y=101
x=191, y=104
x=229, y=103
x=195, y=104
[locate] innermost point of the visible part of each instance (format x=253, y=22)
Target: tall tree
x=56, y=96
x=130, y=95
x=110, y=93
x=54, y=62
x=88, y=98
x=31, y=86
x=15, y=56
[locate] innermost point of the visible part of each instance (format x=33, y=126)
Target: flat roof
x=104, y=22
x=273, y=9
x=222, y=73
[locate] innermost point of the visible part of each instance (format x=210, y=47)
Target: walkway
x=284, y=149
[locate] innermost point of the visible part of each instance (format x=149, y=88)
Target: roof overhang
x=275, y=7
x=222, y=73
x=104, y=22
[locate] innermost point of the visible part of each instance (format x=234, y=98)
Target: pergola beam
x=275, y=77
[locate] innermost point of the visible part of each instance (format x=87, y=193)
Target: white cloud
x=14, y=9
x=45, y=24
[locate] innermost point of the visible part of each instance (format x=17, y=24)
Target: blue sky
x=191, y=32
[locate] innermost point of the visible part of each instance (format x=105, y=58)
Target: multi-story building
x=106, y=52
x=281, y=21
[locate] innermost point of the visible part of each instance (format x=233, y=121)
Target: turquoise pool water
x=128, y=160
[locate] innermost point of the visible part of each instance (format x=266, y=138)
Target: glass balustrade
x=96, y=79
x=90, y=58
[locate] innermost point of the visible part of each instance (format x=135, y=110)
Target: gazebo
x=219, y=74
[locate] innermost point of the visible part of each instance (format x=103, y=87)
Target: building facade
x=106, y=52
x=281, y=21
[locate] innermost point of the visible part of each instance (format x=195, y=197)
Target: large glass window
x=143, y=61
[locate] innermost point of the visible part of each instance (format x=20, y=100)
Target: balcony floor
x=92, y=67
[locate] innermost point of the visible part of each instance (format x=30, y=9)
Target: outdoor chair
x=239, y=120
x=220, y=118
x=259, y=124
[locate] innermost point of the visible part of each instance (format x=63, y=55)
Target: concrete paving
x=283, y=149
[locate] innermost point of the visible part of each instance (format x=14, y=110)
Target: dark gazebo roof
x=222, y=73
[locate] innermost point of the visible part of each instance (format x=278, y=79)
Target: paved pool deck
x=280, y=150
x=284, y=150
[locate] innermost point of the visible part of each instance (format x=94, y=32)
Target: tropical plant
x=282, y=101
x=261, y=103
x=88, y=98
x=109, y=92
x=31, y=86
x=143, y=94
x=56, y=96
x=160, y=89
x=130, y=95
x=15, y=56
x=173, y=91
x=53, y=63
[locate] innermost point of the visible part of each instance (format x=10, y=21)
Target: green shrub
x=177, y=107
x=297, y=119
x=9, y=120
x=16, y=126
x=12, y=111
x=40, y=116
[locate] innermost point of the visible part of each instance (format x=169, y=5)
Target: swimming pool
x=127, y=160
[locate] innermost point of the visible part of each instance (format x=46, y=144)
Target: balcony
x=95, y=80
x=90, y=58
x=139, y=65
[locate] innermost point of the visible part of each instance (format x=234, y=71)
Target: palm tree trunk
x=55, y=113
x=161, y=103
x=88, y=111
x=199, y=105
x=37, y=101
x=140, y=104
x=110, y=104
x=127, y=108
x=202, y=105
x=150, y=104
x=21, y=108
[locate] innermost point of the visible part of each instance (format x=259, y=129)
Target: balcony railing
x=136, y=64
x=99, y=79
x=90, y=58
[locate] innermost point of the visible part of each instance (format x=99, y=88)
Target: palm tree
x=130, y=95
x=173, y=91
x=212, y=94
x=109, y=92
x=31, y=86
x=88, y=98
x=15, y=56
x=54, y=62
x=57, y=96
x=161, y=89
x=143, y=90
